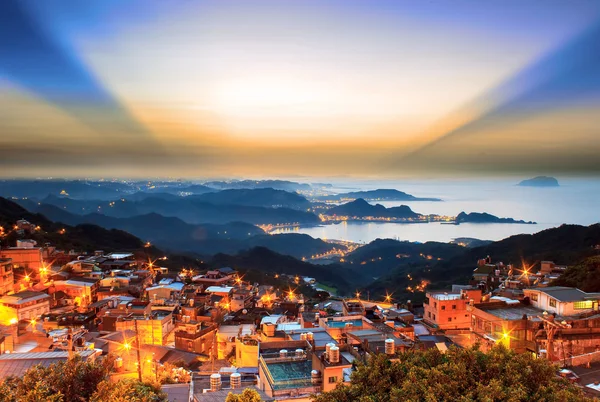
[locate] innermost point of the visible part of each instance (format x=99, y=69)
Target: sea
x=575, y=201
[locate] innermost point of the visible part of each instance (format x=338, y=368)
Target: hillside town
x=207, y=334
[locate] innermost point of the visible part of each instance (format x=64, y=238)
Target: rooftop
x=24, y=297
x=444, y=295
x=566, y=294
x=514, y=312
x=290, y=374
x=16, y=364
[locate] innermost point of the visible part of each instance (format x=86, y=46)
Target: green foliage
x=584, y=276
x=248, y=395
x=564, y=245
x=127, y=390
x=458, y=375
x=75, y=380
x=68, y=381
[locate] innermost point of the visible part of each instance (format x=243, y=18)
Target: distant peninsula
x=360, y=208
x=376, y=195
x=540, y=181
x=484, y=217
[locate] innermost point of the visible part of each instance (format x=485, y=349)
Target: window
x=583, y=305
x=449, y=319
x=429, y=314
x=333, y=380
x=434, y=317
x=534, y=297
x=434, y=304
x=552, y=303
x=443, y=307
x=454, y=307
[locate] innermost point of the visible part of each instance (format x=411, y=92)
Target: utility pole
x=137, y=349
x=70, y=342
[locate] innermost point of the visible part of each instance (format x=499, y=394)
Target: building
x=152, y=329
x=24, y=305
x=83, y=291
x=167, y=289
x=285, y=370
x=28, y=256
x=213, y=278
x=241, y=299
x=7, y=277
x=509, y=322
x=562, y=300
x=196, y=337
x=353, y=307
x=443, y=310
x=337, y=327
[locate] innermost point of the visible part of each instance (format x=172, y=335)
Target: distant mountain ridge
x=176, y=235
x=256, y=207
x=360, y=208
x=376, y=195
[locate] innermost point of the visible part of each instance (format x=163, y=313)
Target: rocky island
x=540, y=181
x=484, y=217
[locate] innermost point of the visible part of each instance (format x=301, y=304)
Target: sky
x=184, y=88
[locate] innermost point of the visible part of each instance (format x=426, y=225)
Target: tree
x=74, y=380
x=127, y=390
x=457, y=375
x=247, y=395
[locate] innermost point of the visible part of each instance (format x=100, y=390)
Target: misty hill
x=585, y=275
x=177, y=188
x=102, y=190
x=255, y=184
x=471, y=242
x=268, y=261
x=84, y=237
x=484, y=217
x=360, y=208
x=261, y=197
x=207, y=239
x=565, y=245
x=381, y=195
x=189, y=209
x=381, y=256
x=540, y=181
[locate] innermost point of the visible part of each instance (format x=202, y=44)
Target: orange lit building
x=7, y=278
x=445, y=310
x=24, y=305
x=24, y=257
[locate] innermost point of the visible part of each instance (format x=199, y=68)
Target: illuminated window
x=552, y=303
x=583, y=305
x=534, y=297
x=333, y=380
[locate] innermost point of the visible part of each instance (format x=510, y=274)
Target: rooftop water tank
x=390, y=346
x=235, y=380
x=334, y=354
x=215, y=382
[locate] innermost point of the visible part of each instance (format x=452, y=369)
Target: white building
x=562, y=300
x=24, y=305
